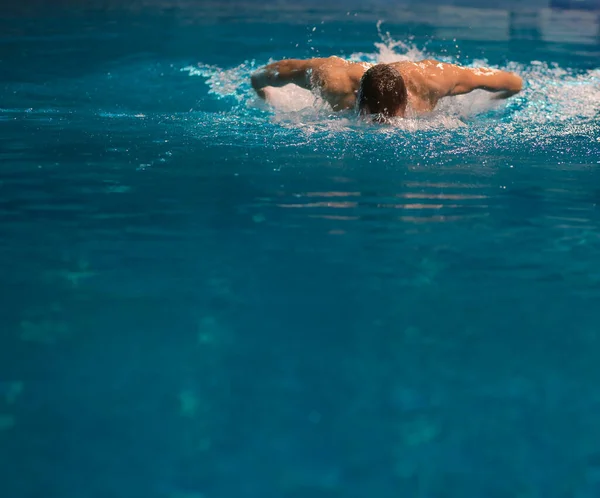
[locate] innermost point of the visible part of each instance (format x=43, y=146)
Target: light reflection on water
x=368, y=205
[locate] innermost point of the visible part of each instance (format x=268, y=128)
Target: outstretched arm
x=282, y=73
x=504, y=83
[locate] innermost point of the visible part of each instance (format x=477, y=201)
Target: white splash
x=291, y=98
x=555, y=94
x=551, y=94
x=223, y=82
x=389, y=50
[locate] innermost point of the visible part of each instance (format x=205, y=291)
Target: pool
x=207, y=296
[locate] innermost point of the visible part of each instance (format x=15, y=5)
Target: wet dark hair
x=382, y=91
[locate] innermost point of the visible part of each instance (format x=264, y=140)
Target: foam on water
x=222, y=83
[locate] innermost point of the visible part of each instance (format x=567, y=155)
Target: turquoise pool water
x=205, y=296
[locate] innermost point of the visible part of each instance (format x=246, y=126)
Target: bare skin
x=427, y=81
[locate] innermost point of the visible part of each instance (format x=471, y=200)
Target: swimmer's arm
x=282, y=73
x=503, y=83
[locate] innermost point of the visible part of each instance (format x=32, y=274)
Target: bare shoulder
x=328, y=62
x=333, y=64
x=433, y=63
x=421, y=64
x=335, y=71
x=417, y=72
x=337, y=80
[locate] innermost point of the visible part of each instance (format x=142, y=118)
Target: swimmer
x=399, y=89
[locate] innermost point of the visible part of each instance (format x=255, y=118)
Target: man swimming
x=385, y=90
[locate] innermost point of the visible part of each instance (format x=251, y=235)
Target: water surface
x=208, y=296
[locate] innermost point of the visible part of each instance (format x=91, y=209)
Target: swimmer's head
x=382, y=92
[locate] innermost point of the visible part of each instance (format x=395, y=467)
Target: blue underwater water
x=207, y=296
